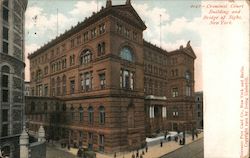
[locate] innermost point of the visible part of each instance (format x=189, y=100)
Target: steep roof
x=124, y=12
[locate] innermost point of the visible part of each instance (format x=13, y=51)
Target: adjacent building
x=11, y=74
x=199, y=109
x=100, y=85
x=27, y=88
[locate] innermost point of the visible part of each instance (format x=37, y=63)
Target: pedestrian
x=68, y=147
x=142, y=152
x=176, y=139
x=133, y=155
x=180, y=142
x=196, y=133
x=169, y=138
x=161, y=143
x=115, y=155
x=192, y=136
x=146, y=148
x=79, y=153
x=137, y=154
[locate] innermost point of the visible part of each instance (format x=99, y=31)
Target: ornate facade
x=101, y=86
x=11, y=74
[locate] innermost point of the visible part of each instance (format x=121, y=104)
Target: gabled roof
x=124, y=12
x=128, y=12
x=186, y=50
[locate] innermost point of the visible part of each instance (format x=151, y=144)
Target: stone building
x=101, y=86
x=11, y=74
x=27, y=88
x=199, y=109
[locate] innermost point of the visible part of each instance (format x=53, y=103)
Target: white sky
x=180, y=23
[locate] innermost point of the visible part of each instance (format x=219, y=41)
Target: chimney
x=108, y=3
x=128, y=2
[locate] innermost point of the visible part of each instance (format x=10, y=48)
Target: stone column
x=24, y=144
x=41, y=134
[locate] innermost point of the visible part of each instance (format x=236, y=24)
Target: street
x=192, y=150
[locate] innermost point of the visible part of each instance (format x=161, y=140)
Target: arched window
x=85, y=57
x=126, y=54
x=80, y=113
x=101, y=115
x=91, y=114
x=64, y=85
x=5, y=69
x=5, y=151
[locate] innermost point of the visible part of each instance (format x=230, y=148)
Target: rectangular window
x=81, y=134
x=188, y=91
x=127, y=79
x=175, y=92
x=131, y=80
x=101, y=28
x=164, y=112
x=151, y=112
x=93, y=33
x=127, y=32
x=119, y=28
x=5, y=33
x=134, y=35
x=63, y=47
x=78, y=40
x=72, y=43
x=46, y=90
x=5, y=114
x=5, y=81
x=86, y=81
x=199, y=114
x=5, y=47
x=5, y=129
x=5, y=14
x=101, y=142
x=81, y=116
x=72, y=86
x=86, y=36
x=102, y=80
x=5, y=95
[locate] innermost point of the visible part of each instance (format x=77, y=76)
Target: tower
x=11, y=74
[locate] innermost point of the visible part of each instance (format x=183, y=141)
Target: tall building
x=11, y=74
x=199, y=109
x=101, y=86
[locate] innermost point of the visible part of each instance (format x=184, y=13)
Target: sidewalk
x=154, y=151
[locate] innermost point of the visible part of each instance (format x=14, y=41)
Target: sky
x=179, y=23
